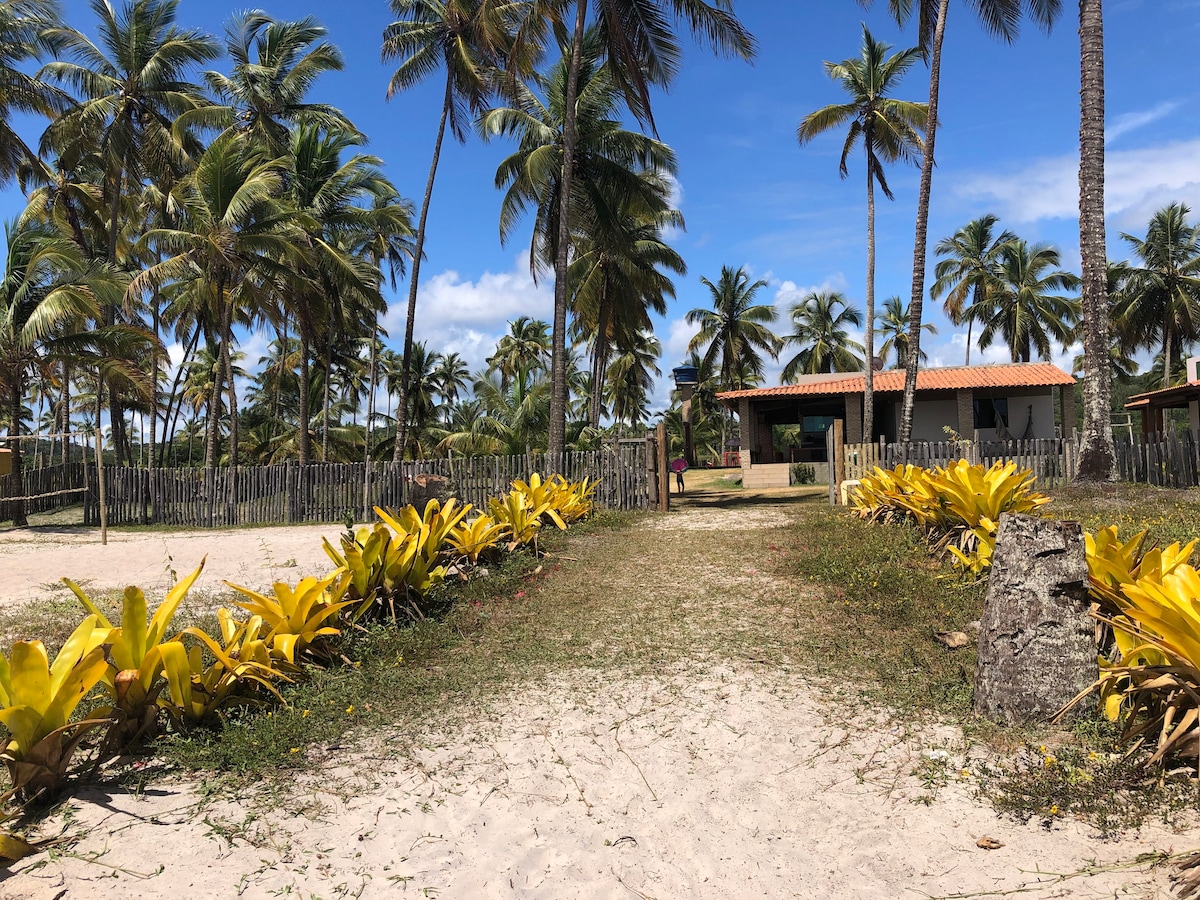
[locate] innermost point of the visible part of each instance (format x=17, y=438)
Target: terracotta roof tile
x=1039, y=374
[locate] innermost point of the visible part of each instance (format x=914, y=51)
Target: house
x=1180, y=396
x=787, y=424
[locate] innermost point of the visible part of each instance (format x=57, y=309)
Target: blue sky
x=751, y=196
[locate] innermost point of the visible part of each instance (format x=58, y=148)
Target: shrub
x=802, y=473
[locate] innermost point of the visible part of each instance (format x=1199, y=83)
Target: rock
x=955, y=640
x=428, y=487
x=1037, y=640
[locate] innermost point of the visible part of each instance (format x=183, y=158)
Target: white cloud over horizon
x=1137, y=182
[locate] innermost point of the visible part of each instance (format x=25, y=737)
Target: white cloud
x=1132, y=121
x=455, y=315
x=1137, y=182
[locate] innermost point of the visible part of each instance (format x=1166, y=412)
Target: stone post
x=1037, y=646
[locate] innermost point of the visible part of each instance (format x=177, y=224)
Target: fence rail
x=51, y=488
x=1162, y=460
x=330, y=492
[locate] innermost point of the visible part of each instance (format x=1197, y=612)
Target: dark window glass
x=988, y=413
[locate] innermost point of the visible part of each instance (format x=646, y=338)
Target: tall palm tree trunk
x=600, y=362
x=558, y=344
x=304, y=449
x=327, y=399
x=17, y=394
x=212, y=426
x=1167, y=349
x=413, y=283
x=869, y=337
x=227, y=362
x=175, y=402
x=917, y=301
x=1097, y=459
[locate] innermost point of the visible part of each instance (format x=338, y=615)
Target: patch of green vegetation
x=1168, y=514
x=877, y=601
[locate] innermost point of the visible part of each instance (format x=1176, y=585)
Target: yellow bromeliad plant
x=1113, y=563
x=38, y=700
x=143, y=659
x=523, y=519
x=298, y=619
x=480, y=536
x=1157, y=678
x=573, y=500
x=959, y=505
x=242, y=658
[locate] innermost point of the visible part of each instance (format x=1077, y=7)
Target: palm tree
x=1002, y=18
x=233, y=223
x=1162, y=295
x=134, y=87
x=274, y=66
x=1097, y=457
x=1023, y=312
x=736, y=328
x=642, y=50
x=520, y=353
x=452, y=377
x=630, y=378
x=890, y=130
x=465, y=38
x=973, y=256
x=819, y=326
x=23, y=24
x=893, y=326
x=49, y=298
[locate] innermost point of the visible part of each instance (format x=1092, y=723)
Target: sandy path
x=32, y=560
x=712, y=781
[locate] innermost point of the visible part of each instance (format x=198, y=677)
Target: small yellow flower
x=966, y=773
x=350, y=709
x=294, y=750
x=306, y=714
x=1054, y=810
x=1049, y=761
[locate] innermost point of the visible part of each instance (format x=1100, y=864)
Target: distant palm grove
x=187, y=191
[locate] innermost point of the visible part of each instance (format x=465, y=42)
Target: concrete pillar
x=854, y=418
x=745, y=431
x=1066, y=409
x=966, y=414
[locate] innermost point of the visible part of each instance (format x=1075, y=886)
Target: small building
x=787, y=424
x=1181, y=396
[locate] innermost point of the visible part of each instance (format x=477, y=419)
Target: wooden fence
x=52, y=487
x=1053, y=461
x=1165, y=460
x=331, y=492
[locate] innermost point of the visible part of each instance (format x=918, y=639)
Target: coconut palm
x=133, y=86
x=969, y=271
x=1162, y=295
x=1003, y=19
x=520, y=353
x=50, y=298
x=275, y=64
x=893, y=327
x=23, y=24
x=1097, y=458
x=232, y=224
x=452, y=377
x=1023, y=311
x=630, y=378
x=820, y=324
x=736, y=329
x=619, y=279
x=889, y=130
x=640, y=43
x=465, y=37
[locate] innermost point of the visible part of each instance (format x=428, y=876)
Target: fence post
x=837, y=459
x=100, y=486
x=664, y=483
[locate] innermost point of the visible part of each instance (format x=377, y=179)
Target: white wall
x=1018, y=417
x=930, y=417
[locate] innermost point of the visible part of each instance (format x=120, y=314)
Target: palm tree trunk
x=917, y=301
x=1097, y=459
x=868, y=433
x=1167, y=349
x=227, y=362
x=371, y=378
x=601, y=359
x=418, y=252
x=558, y=347
x=327, y=399
x=17, y=392
x=304, y=450
x=214, y=419
x=175, y=402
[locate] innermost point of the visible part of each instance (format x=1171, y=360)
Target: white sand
x=32, y=560
x=714, y=784
x=709, y=783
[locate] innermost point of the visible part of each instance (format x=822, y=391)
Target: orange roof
x=1038, y=374
x=1175, y=397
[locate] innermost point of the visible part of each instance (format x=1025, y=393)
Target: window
x=990, y=413
x=817, y=424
